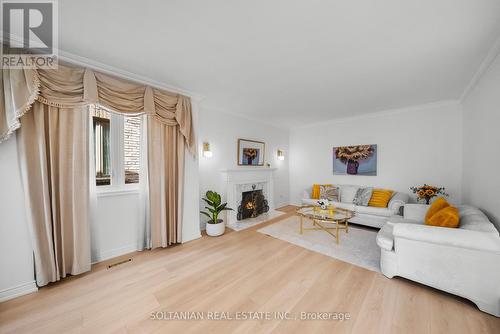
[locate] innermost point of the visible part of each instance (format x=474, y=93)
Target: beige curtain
x=54, y=155
x=166, y=173
x=18, y=90
x=170, y=129
x=53, y=150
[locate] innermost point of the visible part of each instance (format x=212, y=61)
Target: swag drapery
x=49, y=107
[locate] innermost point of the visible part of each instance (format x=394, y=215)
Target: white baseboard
x=18, y=291
x=191, y=237
x=109, y=254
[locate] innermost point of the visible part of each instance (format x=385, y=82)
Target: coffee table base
x=339, y=225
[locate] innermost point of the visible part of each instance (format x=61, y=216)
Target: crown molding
x=74, y=59
x=483, y=68
x=382, y=113
x=245, y=117
x=111, y=70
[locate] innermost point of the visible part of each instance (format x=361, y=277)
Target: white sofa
x=464, y=261
x=365, y=215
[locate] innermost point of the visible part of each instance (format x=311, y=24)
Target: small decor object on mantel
x=428, y=192
x=250, y=152
x=215, y=226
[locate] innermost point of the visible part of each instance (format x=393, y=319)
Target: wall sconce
x=206, y=150
x=281, y=155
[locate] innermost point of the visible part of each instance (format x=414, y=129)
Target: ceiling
x=290, y=62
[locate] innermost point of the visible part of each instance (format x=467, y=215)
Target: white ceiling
x=290, y=62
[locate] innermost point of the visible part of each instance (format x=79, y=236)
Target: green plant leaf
x=206, y=214
x=223, y=206
x=217, y=200
x=212, y=196
x=209, y=202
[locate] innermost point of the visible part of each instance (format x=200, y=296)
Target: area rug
x=358, y=247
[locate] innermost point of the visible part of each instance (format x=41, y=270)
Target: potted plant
x=215, y=226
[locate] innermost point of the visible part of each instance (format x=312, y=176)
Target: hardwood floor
x=239, y=272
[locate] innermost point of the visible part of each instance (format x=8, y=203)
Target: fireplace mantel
x=249, y=169
x=242, y=179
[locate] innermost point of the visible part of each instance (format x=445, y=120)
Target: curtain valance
x=70, y=86
x=18, y=90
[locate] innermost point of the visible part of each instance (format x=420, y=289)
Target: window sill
x=117, y=191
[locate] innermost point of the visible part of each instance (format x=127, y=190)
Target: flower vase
x=352, y=167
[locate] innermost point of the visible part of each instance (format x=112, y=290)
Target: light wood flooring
x=239, y=272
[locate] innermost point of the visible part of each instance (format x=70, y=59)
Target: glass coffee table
x=328, y=220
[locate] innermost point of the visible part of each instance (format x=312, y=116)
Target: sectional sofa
x=365, y=215
x=464, y=261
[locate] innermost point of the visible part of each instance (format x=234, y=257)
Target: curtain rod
x=69, y=58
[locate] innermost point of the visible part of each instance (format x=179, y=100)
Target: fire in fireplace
x=253, y=203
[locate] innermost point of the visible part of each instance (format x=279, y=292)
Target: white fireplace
x=247, y=179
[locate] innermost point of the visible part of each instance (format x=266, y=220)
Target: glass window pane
x=102, y=152
x=132, y=148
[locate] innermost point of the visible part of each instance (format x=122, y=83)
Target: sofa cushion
x=380, y=198
x=328, y=192
x=447, y=217
x=309, y=201
x=345, y=206
x=316, y=189
x=347, y=193
x=363, y=196
x=473, y=219
x=436, y=206
x=385, y=212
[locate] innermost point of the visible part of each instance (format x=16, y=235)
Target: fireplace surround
x=242, y=180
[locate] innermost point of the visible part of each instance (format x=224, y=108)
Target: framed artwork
x=355, y=160
x=250, y=152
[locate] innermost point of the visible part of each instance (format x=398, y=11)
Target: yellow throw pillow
x=447, y=217
x=380, y=198
x=436, y=206
x=316, y=190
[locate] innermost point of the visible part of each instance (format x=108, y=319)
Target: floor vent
x=118, y=263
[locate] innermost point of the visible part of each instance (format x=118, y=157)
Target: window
x=132, y=148
x=117, y=148
x=101, y=121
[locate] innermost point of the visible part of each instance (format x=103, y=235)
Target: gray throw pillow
x=328, y=192
x=363, y=196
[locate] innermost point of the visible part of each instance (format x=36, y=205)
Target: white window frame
x=117, y=156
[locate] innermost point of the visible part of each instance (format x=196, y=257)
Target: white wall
x=191, y=216
x=16, y=255
x=481, y=152
x=222, y=131
x=116, y=229
x=415, y=145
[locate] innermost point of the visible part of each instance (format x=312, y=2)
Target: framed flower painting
x=250, y=152
x=355, y=160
